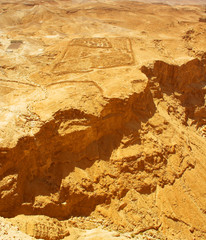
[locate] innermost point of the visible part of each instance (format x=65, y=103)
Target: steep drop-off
x=103, y=129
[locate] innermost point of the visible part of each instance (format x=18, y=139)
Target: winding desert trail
x=103, y=120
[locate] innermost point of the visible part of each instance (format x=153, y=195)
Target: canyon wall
x=103, y=119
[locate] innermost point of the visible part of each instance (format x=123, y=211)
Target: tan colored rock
x=102, y=119
x=9, y=231
x=41, y=227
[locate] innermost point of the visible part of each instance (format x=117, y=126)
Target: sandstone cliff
x=103, y=119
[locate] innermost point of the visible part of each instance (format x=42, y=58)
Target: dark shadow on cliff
x=72, y=140
x=186, y=82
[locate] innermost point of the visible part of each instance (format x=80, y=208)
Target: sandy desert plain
x=102, y=120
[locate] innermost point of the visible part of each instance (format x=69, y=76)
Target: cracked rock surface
x=102, y=120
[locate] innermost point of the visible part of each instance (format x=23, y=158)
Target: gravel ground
x=9, y=232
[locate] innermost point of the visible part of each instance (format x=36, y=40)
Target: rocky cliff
x=103, y=119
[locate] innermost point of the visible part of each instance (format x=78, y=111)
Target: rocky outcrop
x=106, y=130
x=187, y=83
x=41, y=227
x=80, y=163
x=42, y=164
x=8, y=231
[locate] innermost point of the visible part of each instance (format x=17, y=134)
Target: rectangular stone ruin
x=14, y=44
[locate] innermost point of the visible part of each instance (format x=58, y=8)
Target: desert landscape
x=103, y=119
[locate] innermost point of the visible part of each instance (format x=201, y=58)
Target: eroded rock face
x=185, y=82
x=107, y=122
x=41, y=227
